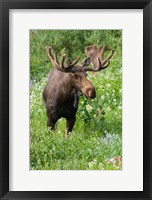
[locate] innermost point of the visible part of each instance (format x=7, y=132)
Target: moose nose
x=92, y=93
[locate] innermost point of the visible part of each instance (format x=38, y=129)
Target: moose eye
x=76, y=76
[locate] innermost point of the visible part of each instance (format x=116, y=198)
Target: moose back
x=66, y=83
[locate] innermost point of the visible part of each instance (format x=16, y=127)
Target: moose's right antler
x=56, y=63
x=97, y=58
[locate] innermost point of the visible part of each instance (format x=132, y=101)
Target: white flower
x=108, y=85
x=92, y=163
x=101, y=166
x=102, y=97
x=119, y=107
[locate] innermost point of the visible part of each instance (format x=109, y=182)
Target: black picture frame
x=5, y=5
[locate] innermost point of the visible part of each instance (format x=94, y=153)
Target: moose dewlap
x=66, y=83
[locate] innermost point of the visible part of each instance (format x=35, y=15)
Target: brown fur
x=61, y=96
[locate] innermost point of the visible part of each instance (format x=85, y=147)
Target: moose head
x=67, y=82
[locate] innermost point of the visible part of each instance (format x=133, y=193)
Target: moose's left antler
x=55, y=62
x=97, y=58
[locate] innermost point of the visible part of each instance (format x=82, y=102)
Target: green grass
x=96, y=140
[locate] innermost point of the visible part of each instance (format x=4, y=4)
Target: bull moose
x=66, y=83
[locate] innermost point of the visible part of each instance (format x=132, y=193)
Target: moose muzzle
x=90, y=92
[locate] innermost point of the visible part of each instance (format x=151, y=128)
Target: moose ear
x=86, y=62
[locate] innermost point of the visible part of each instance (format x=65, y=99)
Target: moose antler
x=97, y=58
x=56, y=63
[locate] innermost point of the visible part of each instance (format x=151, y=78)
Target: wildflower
x=99, y=111
x=92, y=163
x=101, y=166
x=108, y=85
x=102, y=97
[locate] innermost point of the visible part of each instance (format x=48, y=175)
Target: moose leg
x=69, y=125
x=51, y=119
x=51, y=124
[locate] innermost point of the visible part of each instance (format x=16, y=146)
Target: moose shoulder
x=66, y=84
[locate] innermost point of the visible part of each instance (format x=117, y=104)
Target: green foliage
x=96, y=139
x=71, y=42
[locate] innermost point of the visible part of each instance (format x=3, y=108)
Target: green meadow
x=96, y=139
